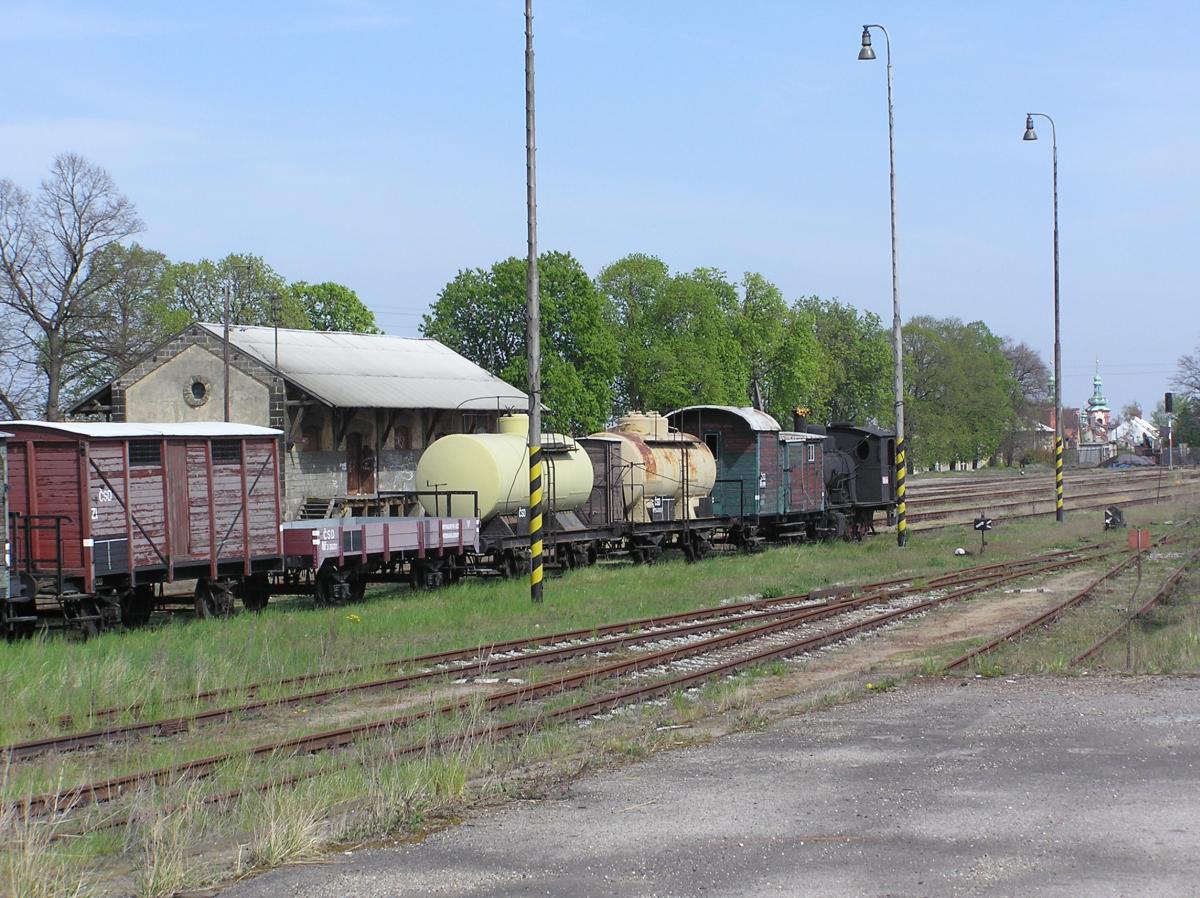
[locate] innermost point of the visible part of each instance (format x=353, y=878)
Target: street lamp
x=1030, y=134
x=897, y=337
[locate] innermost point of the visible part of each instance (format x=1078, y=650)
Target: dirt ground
x=944, y=788
x=1084, y=732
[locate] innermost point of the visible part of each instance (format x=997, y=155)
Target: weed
x=290, y=827
x=33, y=864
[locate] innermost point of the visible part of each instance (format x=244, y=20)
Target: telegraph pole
x=533, y=327
x=225, y=351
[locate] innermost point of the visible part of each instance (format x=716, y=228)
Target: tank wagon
x=486, y=475
x=652, y=487
x=101, y=516
x=638, y=487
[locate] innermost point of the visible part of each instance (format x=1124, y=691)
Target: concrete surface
x=1081, y=787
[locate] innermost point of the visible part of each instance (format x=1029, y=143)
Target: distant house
x=356, y=409
x=1135, y=433
x=1070, y=425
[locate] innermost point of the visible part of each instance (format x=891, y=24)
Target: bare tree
x=1031, y=391
x=48, y=247
x=1187, y=378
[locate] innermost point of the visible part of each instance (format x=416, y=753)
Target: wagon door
x=178, y=512
x=787, y=457
x=360, y=467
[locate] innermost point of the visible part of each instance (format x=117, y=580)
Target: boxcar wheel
x=358, y=586
x=326, y=588
x=137, y=604
x=214, y=599
x=256, y=592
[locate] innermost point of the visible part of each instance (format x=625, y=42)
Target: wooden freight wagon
x=343, y=553
x=102, y=513
x=4, y=585
x=768, y=478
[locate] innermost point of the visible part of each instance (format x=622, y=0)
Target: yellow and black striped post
x=1058, y=479
x=901, y=489
x=535, y=523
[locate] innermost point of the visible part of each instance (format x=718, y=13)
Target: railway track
x=1169, y=585
x=1051, y=615
x=1149, y=495
x=513, y=654
x=791, y=632
x=984, y=486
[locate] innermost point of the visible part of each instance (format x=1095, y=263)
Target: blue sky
x=382, y=145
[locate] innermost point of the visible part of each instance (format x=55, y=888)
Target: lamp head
x=866, y=52
x=1030, y=134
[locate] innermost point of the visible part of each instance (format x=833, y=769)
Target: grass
x=177, y=839
x=1166, y=641
x=51, y=677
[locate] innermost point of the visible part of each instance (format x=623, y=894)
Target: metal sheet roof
x=753, y=417
x=375, y=370
x=795, y=436
x=120, y=430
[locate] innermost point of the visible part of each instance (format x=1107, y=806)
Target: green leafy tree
x=854, y=377
x=960, y=390
x=634, y=286
x=194, y=291
x=333, y=307
x=676, y=335
x=127, y=314
x=481, y=315
x=695, y=356
x=1187, y=421
x=786, y=366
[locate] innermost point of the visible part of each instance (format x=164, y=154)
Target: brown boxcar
x=4, y=573
x=101, y=512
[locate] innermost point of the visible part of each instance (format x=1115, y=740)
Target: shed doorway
x=360, y=466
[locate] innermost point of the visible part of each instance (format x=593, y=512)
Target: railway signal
x=983, y=524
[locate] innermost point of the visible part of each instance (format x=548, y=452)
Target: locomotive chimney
x=799, y=419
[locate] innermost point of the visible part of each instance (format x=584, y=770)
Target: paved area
x=1014, y=788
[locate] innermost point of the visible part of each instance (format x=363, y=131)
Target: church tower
x=1098, y=413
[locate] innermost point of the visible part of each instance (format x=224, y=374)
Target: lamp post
x=897, y=336
x=1030, y=134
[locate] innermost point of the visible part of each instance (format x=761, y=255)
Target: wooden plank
x=212, y=511
x=128, y=511
x=246, y=548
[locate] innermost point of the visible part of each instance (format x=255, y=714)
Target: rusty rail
x=1165, y=590
x=182, y=723
x=107, y=790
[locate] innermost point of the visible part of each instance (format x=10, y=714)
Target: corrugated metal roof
x=752, y=416
x=375, y=370
x=118, y=431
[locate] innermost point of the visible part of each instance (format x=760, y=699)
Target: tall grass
x=48, y=678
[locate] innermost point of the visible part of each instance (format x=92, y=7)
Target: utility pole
x=533, y=327
x=225, y=350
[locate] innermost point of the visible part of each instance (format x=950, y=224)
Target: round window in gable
x=196, y=392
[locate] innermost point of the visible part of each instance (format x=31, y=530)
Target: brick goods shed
x=356, y=410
